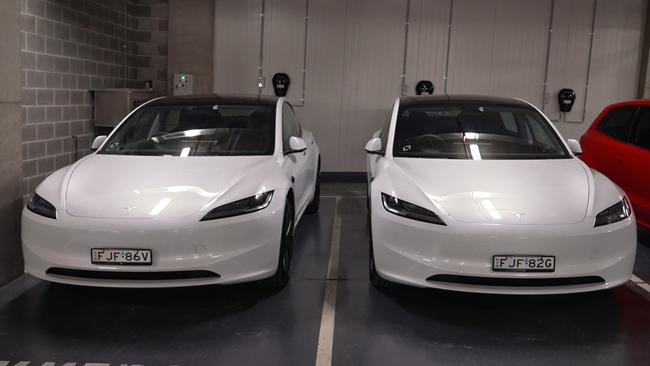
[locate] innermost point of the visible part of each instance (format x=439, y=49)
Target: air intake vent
x=516, y=282
x=132, y=276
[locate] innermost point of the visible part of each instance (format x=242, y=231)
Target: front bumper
x=185, y=252
x=459, y=256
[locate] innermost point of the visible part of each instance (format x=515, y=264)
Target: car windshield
x=475, y=131
x=195, y=130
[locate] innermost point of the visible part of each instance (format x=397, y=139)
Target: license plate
x=523, y=263
x=137, y=257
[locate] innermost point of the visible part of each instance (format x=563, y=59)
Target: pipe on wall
x=407, y=23
x=451, y=16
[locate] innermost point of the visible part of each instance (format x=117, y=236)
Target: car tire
x=283, y=272
x=375, y=278
x=314, y=205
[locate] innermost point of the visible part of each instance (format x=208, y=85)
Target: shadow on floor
x=643, y=236
x=53, y=309
x=589, y=318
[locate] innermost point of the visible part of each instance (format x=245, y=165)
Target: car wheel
x=314, y=205
x=375, y=278
x=283, y=273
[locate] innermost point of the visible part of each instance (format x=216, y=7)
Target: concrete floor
x=242, y=325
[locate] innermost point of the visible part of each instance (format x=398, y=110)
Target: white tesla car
x=482, y=194
x=185, y=191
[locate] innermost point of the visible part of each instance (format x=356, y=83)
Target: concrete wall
x=191, y=28
x=10, y=142
x=71, y=47
x=360, y=56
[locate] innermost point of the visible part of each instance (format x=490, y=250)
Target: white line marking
x=4, y=363
x=644, y=286
x=641, y=283
x=326, y=334
x=636, y=279
x=22, y=363
x=329, y=196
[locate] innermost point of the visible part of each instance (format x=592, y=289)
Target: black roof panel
x=217, y=99
x=451, y=99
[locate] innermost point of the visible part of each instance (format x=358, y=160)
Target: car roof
x=636, y=102
x=216, y=99
x=452, y=99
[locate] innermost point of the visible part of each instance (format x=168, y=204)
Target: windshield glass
x=475, y=131
x=195, y=130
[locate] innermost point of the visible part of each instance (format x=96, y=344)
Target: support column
x=11, y=157
x=644, y=75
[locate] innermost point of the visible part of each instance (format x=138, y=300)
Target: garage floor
x=48, y=324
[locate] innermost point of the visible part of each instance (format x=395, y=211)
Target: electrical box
x=112, y=105
x=183, y=84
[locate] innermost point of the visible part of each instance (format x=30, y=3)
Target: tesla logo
x=518, y=214
x=129, y=209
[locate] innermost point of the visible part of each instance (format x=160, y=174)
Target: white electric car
x=185, y=191
x=482, y=194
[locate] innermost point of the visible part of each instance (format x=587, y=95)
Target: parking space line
x=641, y=283
x=51, y=363
x=352, y=196
x=326, y=333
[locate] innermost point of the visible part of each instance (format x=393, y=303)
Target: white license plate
x=140, y=257
x=523, y=263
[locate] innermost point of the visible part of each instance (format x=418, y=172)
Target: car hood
x=503, y=192
x=109, y=186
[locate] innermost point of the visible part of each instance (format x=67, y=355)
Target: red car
x=618, y=145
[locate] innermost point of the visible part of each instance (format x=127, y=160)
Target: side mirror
x=374, y=146
x=296, y=145
x=98, y=142
x=574, y=146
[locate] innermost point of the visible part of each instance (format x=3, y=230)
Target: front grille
x=132, y=276
x=516, y=282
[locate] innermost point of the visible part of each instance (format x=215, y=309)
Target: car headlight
x=405, y=209
x=247, y=205
x=615, y=213
x=40, y=206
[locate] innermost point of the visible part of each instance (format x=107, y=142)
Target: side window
x=383, y=135
x=290, y=126
x=642, y=133
x=617, y=122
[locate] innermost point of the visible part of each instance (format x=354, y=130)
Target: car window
x=475, y=131
x=383, y=135
x=642, y=133
x=290, y=126
x=195, y=130
x=618, y=122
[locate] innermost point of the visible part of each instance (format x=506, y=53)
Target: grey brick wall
x=151, y=38
x=69, y=47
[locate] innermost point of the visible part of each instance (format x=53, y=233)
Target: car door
x=297, y=163
x=637, y=161
x=606, y=144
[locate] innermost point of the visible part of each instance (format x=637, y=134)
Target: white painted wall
x=354, y=57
